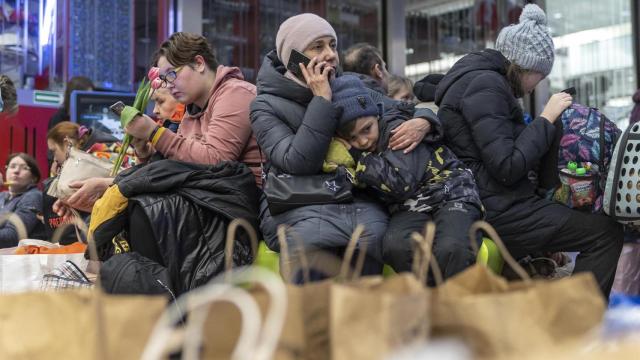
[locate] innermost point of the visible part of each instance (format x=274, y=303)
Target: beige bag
x=223, y=327
x=78, y=166
x=501, y=319
x=76, y=324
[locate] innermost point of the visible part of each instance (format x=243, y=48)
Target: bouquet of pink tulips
x=130, y=112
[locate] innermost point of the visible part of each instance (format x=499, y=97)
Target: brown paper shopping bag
x=345, y=318
x=256, y=340
x=362, y=318
x=224, y=325
x=76, y=324
x=501, y=319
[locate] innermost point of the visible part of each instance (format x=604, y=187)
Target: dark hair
x=345, y=130
x=31, y=162
x=361, y=58
x=75, y=83
x=514, y=77
x=9, y=95
x=182, y=48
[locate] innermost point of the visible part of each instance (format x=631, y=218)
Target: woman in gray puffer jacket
x=294, y=121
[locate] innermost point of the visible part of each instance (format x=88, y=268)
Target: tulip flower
x=154, y=73
x=156, y=83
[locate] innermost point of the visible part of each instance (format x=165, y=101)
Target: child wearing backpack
x=426, y=184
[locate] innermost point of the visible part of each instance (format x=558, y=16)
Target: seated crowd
x=218, y=138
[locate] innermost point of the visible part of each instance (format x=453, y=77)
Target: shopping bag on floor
x=223, y=326
x=182, y=328
x=76, y=324
x=24, y=269
x=349, y=317
x=501, y=319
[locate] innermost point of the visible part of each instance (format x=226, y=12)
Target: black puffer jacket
x=185, y=208
x=484, y=127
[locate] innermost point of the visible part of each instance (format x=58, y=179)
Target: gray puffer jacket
x=292, y=127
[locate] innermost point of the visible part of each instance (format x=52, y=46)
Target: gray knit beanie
x=528, y=43
x=298, y=31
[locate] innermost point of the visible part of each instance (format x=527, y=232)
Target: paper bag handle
x=348, y=255
x=506, y=255
x=230, y=241
x=162, y=340
x=329, y=261
x=423, y=255
x=273, y=324
x=17, y=223
x=101, y=349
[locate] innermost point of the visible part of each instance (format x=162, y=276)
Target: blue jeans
x=323, y=229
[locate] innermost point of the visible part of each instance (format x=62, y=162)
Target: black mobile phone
x=295, y=59
x=117, y=108
x=571, y=91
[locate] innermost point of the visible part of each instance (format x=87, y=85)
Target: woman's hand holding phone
x=316, y=74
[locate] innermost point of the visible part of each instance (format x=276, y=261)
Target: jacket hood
x=223, y=73
x=488, y=59
x=271, y=80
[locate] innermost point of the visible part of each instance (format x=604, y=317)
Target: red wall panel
x=26, y=132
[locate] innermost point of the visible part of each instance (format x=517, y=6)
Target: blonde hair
x=397, y=83
x=514, y=78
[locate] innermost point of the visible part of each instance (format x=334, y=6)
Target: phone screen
x=295, y=59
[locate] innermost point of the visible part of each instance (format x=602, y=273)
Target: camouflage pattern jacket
x=422, y=180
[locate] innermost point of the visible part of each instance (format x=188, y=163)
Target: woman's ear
x=200, y=63
x=377, y=72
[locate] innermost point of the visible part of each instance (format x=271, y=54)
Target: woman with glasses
x=22, y=197
x=216, y=124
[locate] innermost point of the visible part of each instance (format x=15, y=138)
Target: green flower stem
x=128, y=114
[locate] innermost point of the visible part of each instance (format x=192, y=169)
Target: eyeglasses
x=170, y=77
x=18, y=166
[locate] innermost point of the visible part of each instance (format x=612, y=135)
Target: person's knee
x=451, y=250
x=611, y=231
x=396, y=245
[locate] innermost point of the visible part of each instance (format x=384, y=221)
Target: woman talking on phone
x=294, y=121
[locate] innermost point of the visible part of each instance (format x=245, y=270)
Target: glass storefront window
x=440, y=32
x=28, y=42
x=243, y=32
x=594, y=54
